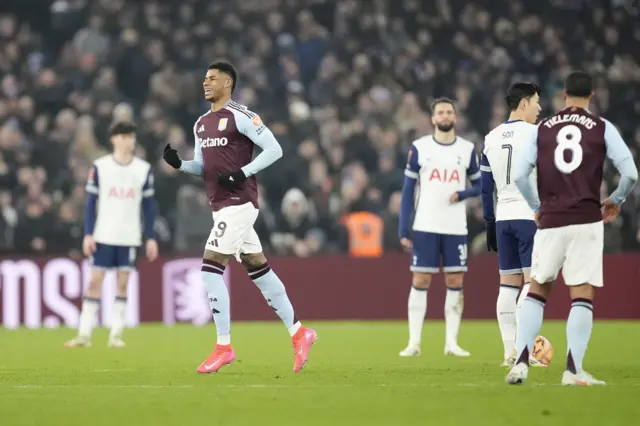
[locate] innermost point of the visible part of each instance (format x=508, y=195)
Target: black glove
x=492, y=241
x=232, y=180
x=170, y=155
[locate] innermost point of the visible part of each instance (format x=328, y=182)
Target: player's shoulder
x=465, y=143
x=422, y=141
x=242, y=113
x=139, y=163
x=103, y=162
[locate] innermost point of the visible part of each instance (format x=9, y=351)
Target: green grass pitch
x=354, y=377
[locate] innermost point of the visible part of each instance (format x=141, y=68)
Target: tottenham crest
x=222, y=124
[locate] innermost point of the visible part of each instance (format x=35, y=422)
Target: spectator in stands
x=342, y=84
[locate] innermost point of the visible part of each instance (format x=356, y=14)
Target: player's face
x=215, y=84
x=124, y=143
x=444, y=117
x=532, y=109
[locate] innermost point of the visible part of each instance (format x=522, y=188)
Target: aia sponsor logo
x=123, y=193
x=444, y=175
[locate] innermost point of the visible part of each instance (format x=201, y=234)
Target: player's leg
x=125, y=263
x=223, y=242
x=525, y=231
x=425, y=262
x=454, y=261
x=582, y=278
x=510, y=270
x=272, y=288
x=548, y=255
x=274, y=292
x=102, y=259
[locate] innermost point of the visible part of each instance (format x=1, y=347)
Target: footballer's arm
x=524, y=166
x=618, y=152
x=194, y=167
x=487, y=187
x=149, y=213
x=90, y=213
x=411, y=175
x=473, y=172
x=262, y=136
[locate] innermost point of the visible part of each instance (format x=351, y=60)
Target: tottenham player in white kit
x=441, y=163
x=511, y=229
x=119, y=186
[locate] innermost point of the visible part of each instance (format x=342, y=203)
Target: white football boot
x=116, y=342
x=411, y=350
x=518, y=374
x=455, y=350
x=581, y=379
x=78, y=342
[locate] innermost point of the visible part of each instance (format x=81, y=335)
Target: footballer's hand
x=610, y=210
x=455, y=197
x=232, y=180
x=407, y=245
x=171, y=157
x=492, y=239
x=88, y=245
x=536, y=218
x=152, y=250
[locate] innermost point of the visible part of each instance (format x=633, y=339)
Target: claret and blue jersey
x=439, y=227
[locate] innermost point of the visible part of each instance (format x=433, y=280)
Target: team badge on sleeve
x=257, y=121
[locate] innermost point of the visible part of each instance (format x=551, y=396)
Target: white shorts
x=233, y=232
x=577, y=249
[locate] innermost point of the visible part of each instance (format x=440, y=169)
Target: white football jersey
x=120, y=189
x=441, y=170
x=502, y=146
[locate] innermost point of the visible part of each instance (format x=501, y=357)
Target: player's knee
x=454, y=279
x=220, y=258
x=421, y=280
x=253, y=260
x=542, y=290
x=513, y=280
x=121, y=283
x=95, y=283
x=584, y=291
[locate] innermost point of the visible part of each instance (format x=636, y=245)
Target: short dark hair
x=122, y=128
x=519, y=91
x=227, y=68
x=578, y=84
x=442, y=100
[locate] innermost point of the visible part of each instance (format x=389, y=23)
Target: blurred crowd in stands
x=343, y=84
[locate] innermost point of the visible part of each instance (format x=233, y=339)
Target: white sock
x=521, y=297
x=529, y=326
x=219, y=300
x=453, y=306
x=417, y=312
x=117, y=320
x=506, y=312
x=275, y=294
x=88, y=316
x=579, y=327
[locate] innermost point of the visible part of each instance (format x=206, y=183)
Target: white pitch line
x=267, y=386
x=113, y=370
x=286, y=386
